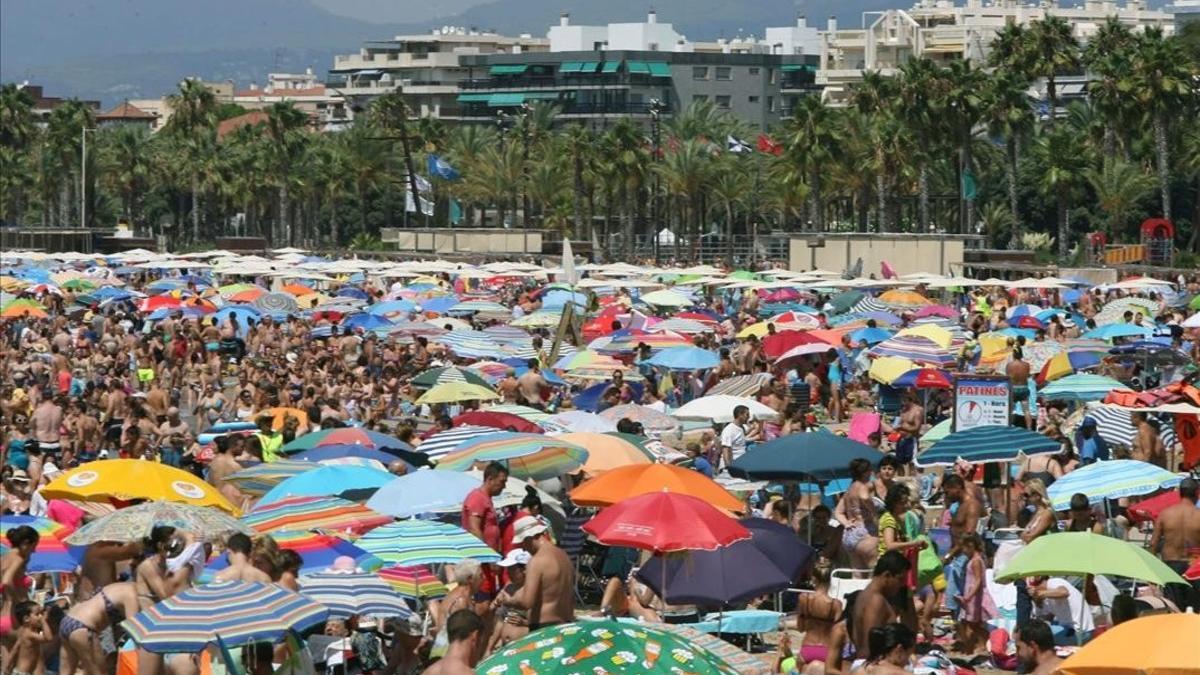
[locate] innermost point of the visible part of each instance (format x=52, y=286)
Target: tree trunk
x=285, y=216
x=862, y=207
x=1010, y=175
x=923, y=197
x=362, y=209
x=578, y=203
x=1110, y=142
x=333, y=222
x=627, y=203
x=195, y=208
x=881, y=202
x=1162, y=150
x=969, y=223
x=1051, y=100
x=1063, y=236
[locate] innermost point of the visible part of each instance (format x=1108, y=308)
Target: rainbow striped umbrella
x=528, y=456
x=348, y=594
x=52, y=553
x=492, y=371
x=419, y=542
x=314, y=513
x=415, y=581
x=341, y=442
x=918, y=349
x=258, y=480
x=629, y=342
x=234, y=612
x=317, y=552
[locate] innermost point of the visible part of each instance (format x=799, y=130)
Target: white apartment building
x=325, y=107
x=1184, y=11
x=943, y=31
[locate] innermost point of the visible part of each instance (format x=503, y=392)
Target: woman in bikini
x=80, y=629
x=856, y=512
x=816, y=615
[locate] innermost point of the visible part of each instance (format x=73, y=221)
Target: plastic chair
x=845, y=580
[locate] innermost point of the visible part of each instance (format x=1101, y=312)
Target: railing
x=567, y=80
x=744, y=250
x=482, y=110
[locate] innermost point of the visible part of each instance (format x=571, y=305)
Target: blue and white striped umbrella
x=354, y=594
x=236, y=612
x=1111, y=480
x=1080, y=387
x=869, y=304
x=1115, y=425
x=470, y=344
x=420, y=542
x=441, y=444
x=987, y=444
x=478, y=307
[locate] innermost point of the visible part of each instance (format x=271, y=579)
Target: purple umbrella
x=725, y=576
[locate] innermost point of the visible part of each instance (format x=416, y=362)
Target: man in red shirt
x=479, y=518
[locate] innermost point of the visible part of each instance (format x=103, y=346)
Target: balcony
x=484, y=112
x=584, y=81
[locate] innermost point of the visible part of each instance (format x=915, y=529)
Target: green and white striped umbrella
x=419, y=542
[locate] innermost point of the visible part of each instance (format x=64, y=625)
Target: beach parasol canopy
x=236, y=612
x=1161, y=644
x=578, y=421
x=452, y=392
x=420, y=492
x=1080, y=387
x=728, y=575
x=1080, y=553
x=494, y=420
x=653, y=421
x=900, y=299
x=532, y=456
x=276, y=303
x=257, y=480
x=314, y=513
x=317, y=551
x=134, y=523
x=919, y=349
x=1113, y=479
x=603, y=646
x=1117, y=330
x=719, y=408
x=415, y=581
x=436, y=376
x=348, y=442
x=607, y=451
x=664, y=522
x=445, y=442
x=23, y=307
x=132, y=479
x=347, y=595
x=52, y=553
x=819, y=455
x=987, y=444
x=666, y=298
x=685, y=358
x=332, y=480
x=622, y=483
x=418, y=542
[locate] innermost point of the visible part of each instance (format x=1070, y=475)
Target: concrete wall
x=484, y=241
x=906, y=253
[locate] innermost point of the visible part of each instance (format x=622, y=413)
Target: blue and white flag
x=441, y=168
x=736, y=145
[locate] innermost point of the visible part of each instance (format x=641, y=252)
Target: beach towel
x=862, y=425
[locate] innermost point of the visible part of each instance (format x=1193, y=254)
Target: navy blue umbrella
x=724, y=576
x=987, y=444
x=780, y=544
x=818, y=455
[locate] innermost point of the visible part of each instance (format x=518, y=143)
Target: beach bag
x=929, y=563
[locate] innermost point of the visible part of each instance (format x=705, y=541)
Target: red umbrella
x=1029, y=322
x=782, y=342
x=664, y=522
x=160, y=302
x=497, y=420
x=1148, y=510
x=697, y=316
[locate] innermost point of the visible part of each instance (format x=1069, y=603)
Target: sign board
x=980, y=401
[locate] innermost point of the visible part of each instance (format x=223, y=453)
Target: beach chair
x=888, y=403
x=844, y=581
x=589, y=572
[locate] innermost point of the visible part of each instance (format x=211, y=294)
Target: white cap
x=517, y=556
x=526, y=527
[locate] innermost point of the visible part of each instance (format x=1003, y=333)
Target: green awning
x=473, y=98
x=506, y=99
x=589, y=66
x=794, y=67
x=659, y=69
x=508, y=69
x=570, y=67
x=541, y=96
x=638, y=67
x=611, y=66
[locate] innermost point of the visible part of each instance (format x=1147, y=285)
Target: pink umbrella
x=936, y=310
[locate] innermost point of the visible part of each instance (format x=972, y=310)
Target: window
x=699, y=98
x=700, y=73
x=723, y=73
x=770, y=104
x=754, y=99
x=653, y=46
x=754, y=72
x=723, y=101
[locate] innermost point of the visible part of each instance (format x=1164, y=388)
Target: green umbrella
x=429, y=378
x=1195, y=302
x=604, y=647
x=79, y=285
x=743, y=275
x=842, y=302
x=1079, y=553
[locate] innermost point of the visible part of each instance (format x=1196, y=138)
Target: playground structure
x=1156, y=247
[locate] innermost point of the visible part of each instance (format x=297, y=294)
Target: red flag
x=767, y=144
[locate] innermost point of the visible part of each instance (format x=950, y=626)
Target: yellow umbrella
x=606, y=452
x=1162, y=644
x=904, y=299
x=310, y=300
x=449, y=392
x=134, y=479
x=886, y=369
x=12, y=284
x=938, y=334
x=280, y=415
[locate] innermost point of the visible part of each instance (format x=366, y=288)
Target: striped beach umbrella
x=468, y=307
x=342, y=442
x=470, y=343
x=414, y=581
x=1113, y=479
x=445, y=442
x=317, y=552
x=539, y=319
x=652, y=421
x=435, y=376
x=52, y=553
x=419, y=542
x=916, y=348
x=235, y=612
x=869, y=305
x=531, y=456
x=1080, y=387
x=626, y=343
x=314, y=513
x=741, y=385
x=453, y=392
x=1115, y=425
x=346, y=595
x=987, y=444
x=331, y=480
x=532, y=414
x=257, y=480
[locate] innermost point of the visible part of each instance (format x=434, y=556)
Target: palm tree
x=1119, y=187
x=64, y=136
x=917, y=93
x=1010, y=50
x=685, y=174
x=194, y=118
x=390, y=112
x=1062, y=169
x=17, y=134
x=578, y=143
x=366, y=158
x=284, y=123
x=959, y=105
x=1051, y=50
x=1009, y=113
x=810, y=138
x=1161, y=82
x=1108, y=59
x=1190, y=161
x=125, y=166
x=731, y=186
x=625, y=142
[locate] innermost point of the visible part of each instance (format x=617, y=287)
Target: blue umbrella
x=987, y=444
x=1080, y=387
x=423, y=492
x=351, y=292
x=392, y=307
x=685, y=358
x=439, y=305
x=365, y=322
x=243, y=313
x=558, y=298
x=334, y=480
x=724, y=576
x=1012, y=332
x=780, y=545
x=321, y=454
x=112, y=293
x=870, y=336
x=589, y=399
x=818, y=455
x=1111, y=480
x=1118, y=330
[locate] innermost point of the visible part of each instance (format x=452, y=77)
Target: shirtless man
x=965, y=512
x=876, y=604
x=531, y=383
x=549, y=590
x=47, y=428
x=1177, y=530
x=1035, y=648
x=1018, y=376
x=912, y=416
x=1147, y=444
x=464, y=630
x=221, y=467
x=237, y=550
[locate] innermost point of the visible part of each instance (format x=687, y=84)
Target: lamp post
x=83, y=132
x=655, y=109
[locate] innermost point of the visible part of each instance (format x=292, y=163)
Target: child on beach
x=32, y=634
x=975, y=604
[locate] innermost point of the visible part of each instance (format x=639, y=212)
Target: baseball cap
x=516, y=556
x=526, y=527
x=22, y=476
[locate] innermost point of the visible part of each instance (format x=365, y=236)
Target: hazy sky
x=399, y=11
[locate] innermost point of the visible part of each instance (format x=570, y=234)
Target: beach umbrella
x=666, y=298
x=414, y=581
x=818, y=455
x=134, y=479
x=452, y=392
x=422, y=492
x=365, y=322
x=916, y=348
x=780, y=544
x=478, y=307
x=331, y=480
x=685, y=358
x=1080, y=387
x=603, y=646
x=607, y=452
x=802, y=352
x=435, y=376
x=279, y=418
x=445, y=442
x=532, y=414
x=1160, y=644
x=728, y=575
x=52, y=553
x=23, y=307
x=987, y=444
x=1080, y=553
x=494, y=420
x=350, y=594
x=234, y=612
x=719, y=409
x=871, y=336
x=526, y=455
x=625, y=482
x=627, y=342
x=318, y=551
x=346, y=442
x=1118, y=330
x=296, y=289
x=686, y=326
x=925, y=378
x=738, y=385
x=1111, y=480
x=936, y=310
x=276, y=303
x=651, y=420
x=578, y=420
x=1067, y=363
x=899, y=299
x=1114, y=312
x=1115, y=425
x=134, y=523
x=842, y=302
x=782, y=342
x=257, y=480
x=664, y=522
x=420, y=542
x=1148, y=510
x=314, y=513
x=539, y=319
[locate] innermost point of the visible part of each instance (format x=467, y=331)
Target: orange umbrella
x=606, y=452
x=279, y=415
x=629, y=481
x=1163, y=644
x=904, y=299
x=297, y=289
x=248, y=295
x=831, y=335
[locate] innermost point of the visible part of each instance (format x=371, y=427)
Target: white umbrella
x=719, y=408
